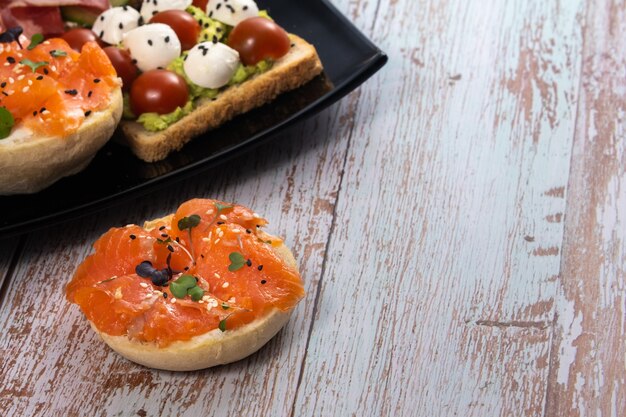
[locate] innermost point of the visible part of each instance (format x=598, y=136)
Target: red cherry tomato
x=186, y=27
x=76, y=38
x=258, y=38
x=123, y=64
x=200, y=3
x=158, y=91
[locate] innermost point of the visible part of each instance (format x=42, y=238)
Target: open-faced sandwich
x=58, y=107
x=202, y=287
x=188, y=69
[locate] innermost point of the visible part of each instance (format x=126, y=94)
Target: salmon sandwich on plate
x=201, y=287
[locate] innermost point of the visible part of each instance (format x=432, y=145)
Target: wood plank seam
x=326, y=245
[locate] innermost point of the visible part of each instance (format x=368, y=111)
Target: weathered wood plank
x=442, y=266
x=9, y=248
x=588, y=368
x=48, y=353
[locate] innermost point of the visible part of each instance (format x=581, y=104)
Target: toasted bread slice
x=300, y=65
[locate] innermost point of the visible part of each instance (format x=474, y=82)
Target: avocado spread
x=211, y=29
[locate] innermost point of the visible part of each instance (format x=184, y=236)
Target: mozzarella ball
x=151, y=7
x=211, y=65
x=111, y=25
x=231, y=12
x=152, y=46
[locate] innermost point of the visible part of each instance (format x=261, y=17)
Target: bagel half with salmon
x=202, y=287
x=58, y=107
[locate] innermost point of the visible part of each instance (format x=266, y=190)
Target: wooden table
x=460, y=221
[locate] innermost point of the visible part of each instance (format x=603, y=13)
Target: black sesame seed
x=202, y=256
x=39, y=78
x=101, y=33
x=218, y=30
x=4, y=84
x=215, y=39
x=41, y=110
x=11, y=60
x=97, y=80
x=101, y=18
x=163, y=234
x=140, y=21
x=154, y=12
x=245, y=7
x=164, y=295
x=89, y=93
x=219, y=223
x=170, y=248
x=167, y=39
x=162, y=227
x=260, y=267
x=121, y=26
x=218, y=6
x=185, y=58
x=263, y=281
x=211, y=14
x=125, y=8
x=134, y=61
x=35, y=113
x=249, y=262
x=186, y=268
x=231, y=8
x=248, y=231
x=150, y=42
x=45, y=71
x=133, y=237
x=71, y=92
x=5, y=93
x=293, y=44
x=177, y=239
x=206, y=25
x=204, y=52
x=87, y=113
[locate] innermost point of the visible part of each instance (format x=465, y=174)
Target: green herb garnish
x=188, y=222
x=35, y=40
x=56, y=53
x=222, y=325
x=221, y=207
x=6, y=122
x=187, y=285
x=237, y=261
x=33, y=65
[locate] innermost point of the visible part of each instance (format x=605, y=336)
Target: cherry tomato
x=186, y=27
x=158, y=91
x=123, y=64
x=76, y=38
x=258, y=38
x=200, y=3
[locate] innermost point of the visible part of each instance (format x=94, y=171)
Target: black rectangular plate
x=349, y=59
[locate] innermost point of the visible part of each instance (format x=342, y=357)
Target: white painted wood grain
x=588, y=376
x=441, y=270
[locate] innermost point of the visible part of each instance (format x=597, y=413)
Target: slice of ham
x=41, y=16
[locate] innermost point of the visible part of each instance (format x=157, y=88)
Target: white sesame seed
x=206, y=239
x=11, y=80
x=206, y=298
x=225, y=285
x=45, y=112
x=220, y=234
x=223, y=217
x=6, y=64
x=200, y=301
x=216, y=241
x=143, y=285
x=172, y=300
x=20, y=78
x=255, y=215
x=46, y=43
x=216, y=275
x=236, y=231
x=209, y=211
x=19, y=55
x=209, y=306
x=25, y=89
x=118, y=293
x=30, y=82
x=53, y=67
x=232, y=300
